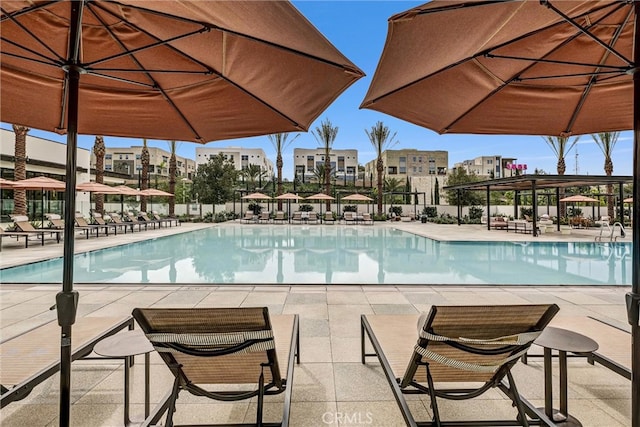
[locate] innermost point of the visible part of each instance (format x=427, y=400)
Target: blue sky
x=358, y=29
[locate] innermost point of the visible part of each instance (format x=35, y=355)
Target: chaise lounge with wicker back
x=207, y=349
x=458, y=352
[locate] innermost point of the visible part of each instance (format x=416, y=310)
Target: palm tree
x=326, y=135
x=99, y=151
x=392, y=185
x=20, y=171
x=280, y=143
x=173, y=166
x=253, y=173
x=561, y=147
x=606, y=141
x=320, y=174
x=145, y=158
x=381, y=138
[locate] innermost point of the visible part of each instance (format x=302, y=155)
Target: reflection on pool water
x=338, y=255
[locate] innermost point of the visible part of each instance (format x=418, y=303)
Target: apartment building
x=491, y=167
x=344, y=163
x=409, y=162
x=241, y=157
x=127, y=161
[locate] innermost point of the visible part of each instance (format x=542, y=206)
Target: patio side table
x=126, y=345
x=563, y=341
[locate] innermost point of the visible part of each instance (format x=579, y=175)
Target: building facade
x=344, y=163
x=401, y=164
x=241, y=157
x=126, y=161
x=491, y=167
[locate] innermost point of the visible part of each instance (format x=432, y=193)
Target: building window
x=107, y=156
x=392, y=170
x=107, y=167
x=403, y=169
x=138, y=156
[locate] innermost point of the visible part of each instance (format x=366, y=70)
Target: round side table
x=563, y=341
x=125, y=345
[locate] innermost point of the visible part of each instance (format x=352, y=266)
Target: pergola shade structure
x=533, y=183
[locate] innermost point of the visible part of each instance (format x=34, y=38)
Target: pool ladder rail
x=612, y=229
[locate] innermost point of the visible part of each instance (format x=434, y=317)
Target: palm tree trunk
x=145, y=158
x=279, y=164
x=172, y=179
x=99, y=151
x=380, y=169
x=20, y=171
x=327, y=178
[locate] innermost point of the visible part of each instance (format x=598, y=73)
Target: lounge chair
x=603, y=221
x=215, y=347
x=55, y=221
x=280, y=217
x=264, y=217
x=31, y=357
x=144, y=218
x=297, y=217
x=475, y=345
x=366, y=218
x=83, y=225
x=248, y=217
x=328, y=217
x=133, y=219
x=349, y=217
x=116, y=219
x=16, y=234
x=99, y=220
x=165, y=221
x=312, y=218
x=22, y=224
x=498, y=223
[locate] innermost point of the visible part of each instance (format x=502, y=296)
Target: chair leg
x=515, y=397
x=172, y=402
x=432, y=395
x=260, y=398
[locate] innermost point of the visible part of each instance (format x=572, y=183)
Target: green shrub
x=350, y=208
x=208, y=217
x=475, y=214
x=396, y=210
x=430, y=211
x=255, y=207
x=306, y=208
x=381, y=217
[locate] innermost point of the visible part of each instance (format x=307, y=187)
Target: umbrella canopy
x=155, y=192
x=578, y=198
x=320, y=196
x=189, y=70
x=628, y=200
x=256, y=196
x=42, y=183
x=96, y=187
x=509, y=67
x=289, y=196
x=127, y=191
x=5, y=183
x=523, y=67
x=177, y=70
x=357, y=198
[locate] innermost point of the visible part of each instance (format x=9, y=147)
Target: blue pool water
x=336, y=255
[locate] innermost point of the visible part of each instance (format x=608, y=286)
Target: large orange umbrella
x=548, y=67
x=176, y=70
x=322, y=196
x=6, y=184
x=41, y=183
x=154, y=192
x=96, y=187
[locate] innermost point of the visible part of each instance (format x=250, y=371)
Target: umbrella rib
x=586, y=32
x=33, y=36
x=517, y=78
x=618, y=68
x=348, y=69
x=610, y=75
x=209, y=69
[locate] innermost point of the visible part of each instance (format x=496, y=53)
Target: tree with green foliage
x=393, y=185
x=326, y=134
x=436, y=193
x=214, y=181
x=467, y=198
x=173, y=171
x=606, y=141
x=561, y=145
x=381, y=138
x=145, y=158
x=253, y=174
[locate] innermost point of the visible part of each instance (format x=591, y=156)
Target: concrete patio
x=331, y=386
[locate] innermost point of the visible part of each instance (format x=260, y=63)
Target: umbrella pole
x=633, y=297
x=67, y=300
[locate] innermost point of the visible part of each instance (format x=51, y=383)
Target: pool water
x=336, y=255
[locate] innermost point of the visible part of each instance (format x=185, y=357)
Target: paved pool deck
x=331, y=387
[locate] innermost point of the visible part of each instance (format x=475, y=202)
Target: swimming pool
x=336, y=255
